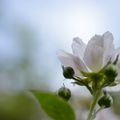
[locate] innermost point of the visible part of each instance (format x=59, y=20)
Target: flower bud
x=64, y=93
x=105, y=101
x=111, y=72
x=68, y=72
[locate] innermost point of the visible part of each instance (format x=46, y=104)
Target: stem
x=89, y=88
x=95, y=99
x=79, y=80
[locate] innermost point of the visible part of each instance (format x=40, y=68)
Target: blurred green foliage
x=55, y=107
x=19, y=106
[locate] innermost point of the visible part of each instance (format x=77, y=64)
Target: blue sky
x=57, y=22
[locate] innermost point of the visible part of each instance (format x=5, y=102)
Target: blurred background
x=31, y=31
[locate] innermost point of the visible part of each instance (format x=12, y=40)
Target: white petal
x=108, y=46
x=78, y=47
x=93, y=56
x=113, y=89
x=68, y=59
x=105, y=41
x=97, y=40
x=108, y=40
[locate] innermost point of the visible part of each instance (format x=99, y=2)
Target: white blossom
x=90, y=57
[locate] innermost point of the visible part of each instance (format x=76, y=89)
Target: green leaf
x=55, y=107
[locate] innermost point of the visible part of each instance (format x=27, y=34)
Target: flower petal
x=108, y=41
x=68, y=59
x=103, y=44
x=97, y=40
x=113, y=88
x=108, y=46
x=93, y=56
x=78, y=47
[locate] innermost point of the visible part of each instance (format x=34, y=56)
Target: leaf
x=55, y=107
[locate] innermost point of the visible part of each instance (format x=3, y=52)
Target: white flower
x=91, y=57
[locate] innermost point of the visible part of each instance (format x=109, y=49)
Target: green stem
x=79, y=80
x=92, y=108
x=89, y=88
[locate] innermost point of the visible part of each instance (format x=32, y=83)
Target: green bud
x=64, y=93
x=105, y=101
x=111, y=72
x=68, y=72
